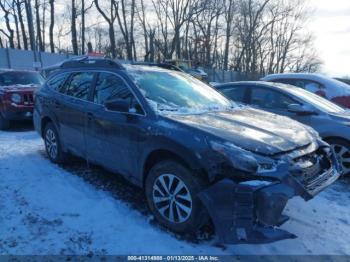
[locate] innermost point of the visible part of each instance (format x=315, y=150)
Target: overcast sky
x=331, y=26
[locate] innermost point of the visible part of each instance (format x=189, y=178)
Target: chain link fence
x=29, y=60
x=25, y=59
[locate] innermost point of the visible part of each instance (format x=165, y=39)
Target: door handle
x=90, y=116
x=57, y=104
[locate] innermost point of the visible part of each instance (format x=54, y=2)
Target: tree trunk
x=112, y=39
x=10, y=34
x=44, y=26
x=29, y=13
x=20, y=18
x=52, y=24
x=74, y=29
x=17, y=30
x=38, y=25
x=82, y=27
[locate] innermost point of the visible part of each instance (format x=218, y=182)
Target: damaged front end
x=247, y=207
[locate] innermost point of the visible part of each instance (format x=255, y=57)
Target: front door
x=112, y=136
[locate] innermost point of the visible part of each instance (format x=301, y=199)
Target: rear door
x=113, y=136
x=74, y=108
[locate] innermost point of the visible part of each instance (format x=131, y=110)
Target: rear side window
x=57, y=82
x=302, y=83
x=236, y=93
x=110, y=87
x=308, y=84
x=270, y=99
x=285, y=81
x=79, y=85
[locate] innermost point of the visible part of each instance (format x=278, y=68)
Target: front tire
x=53, y=144
x=342, y=150
x=171, y=191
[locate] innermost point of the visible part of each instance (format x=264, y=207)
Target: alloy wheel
x=343, y=154
x=51, y=143
x=172, y=198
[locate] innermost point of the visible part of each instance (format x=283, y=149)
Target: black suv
x=199, y=158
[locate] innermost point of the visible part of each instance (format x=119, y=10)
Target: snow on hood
x=18, y=88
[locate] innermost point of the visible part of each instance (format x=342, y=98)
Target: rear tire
x=171, y=192
x=342, y=149
x=53, y=144
x=4, y=124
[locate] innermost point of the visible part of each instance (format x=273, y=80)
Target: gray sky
x=331, y=26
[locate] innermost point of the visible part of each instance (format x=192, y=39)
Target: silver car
x=331, y=121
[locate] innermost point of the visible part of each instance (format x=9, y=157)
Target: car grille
x=28, y=99
x=315, y=169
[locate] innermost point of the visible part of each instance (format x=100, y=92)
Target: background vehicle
x=344, y=80
x=186, y=66
x=16, y=95
x=197, y=156
x=329, y=88
x=161, y=65
x=331, y=121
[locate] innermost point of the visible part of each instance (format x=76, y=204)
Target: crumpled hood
x=253, y=130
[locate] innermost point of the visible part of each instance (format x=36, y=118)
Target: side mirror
x=301, y=109
x=117, y=105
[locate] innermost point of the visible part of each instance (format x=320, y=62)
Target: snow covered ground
x=70, y=209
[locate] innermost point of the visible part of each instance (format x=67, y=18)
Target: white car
x=329, y=88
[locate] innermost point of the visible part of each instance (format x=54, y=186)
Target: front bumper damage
x=250, y=214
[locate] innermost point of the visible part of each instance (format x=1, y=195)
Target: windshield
x=317, y=101
x=176, y=91
x=20, y=79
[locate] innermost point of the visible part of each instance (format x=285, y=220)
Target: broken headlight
x=244, y=160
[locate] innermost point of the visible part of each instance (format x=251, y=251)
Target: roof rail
x=85, y=61
x=88, y=61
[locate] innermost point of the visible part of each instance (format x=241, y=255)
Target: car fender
x=162, y=145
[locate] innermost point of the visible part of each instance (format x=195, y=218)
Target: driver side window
x=110, y=88
x=270, y=99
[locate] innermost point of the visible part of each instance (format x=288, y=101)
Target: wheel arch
x=159, y=155
x=328, y=138
x=44, y=121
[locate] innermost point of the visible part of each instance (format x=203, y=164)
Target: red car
x=17, y=95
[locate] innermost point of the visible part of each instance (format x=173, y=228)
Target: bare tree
x=52, y=25
x=229, y=12
x=5, y=7
x=83, y=11
x=19, y=8
x=110, y=17
x=207, y=22
x=171, y=16
x=73, y=27
x=29, y=15
x=125, y=12
x=37, y=7
x=252, y=36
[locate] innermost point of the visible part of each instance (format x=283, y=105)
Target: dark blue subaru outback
x=199, y=158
